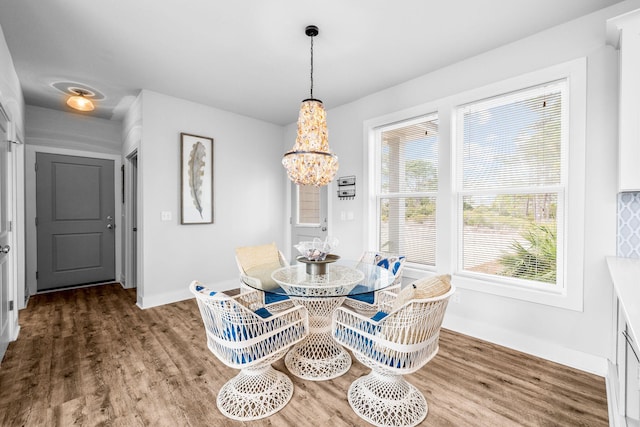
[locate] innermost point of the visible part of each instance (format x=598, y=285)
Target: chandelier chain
x=311, y=68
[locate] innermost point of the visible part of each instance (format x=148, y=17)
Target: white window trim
x=570, y=296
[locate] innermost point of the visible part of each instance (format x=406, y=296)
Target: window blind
x=408, y=184
x=511, y=183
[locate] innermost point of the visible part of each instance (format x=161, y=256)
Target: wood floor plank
x=90, y=357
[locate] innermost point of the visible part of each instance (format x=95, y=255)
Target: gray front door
x=75, y=205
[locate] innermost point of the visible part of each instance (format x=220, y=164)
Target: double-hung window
x=511, y=186
x=406, y=188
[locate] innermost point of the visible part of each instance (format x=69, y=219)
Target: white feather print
x=196, y=173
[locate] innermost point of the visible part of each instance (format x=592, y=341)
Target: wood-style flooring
x=91, y=357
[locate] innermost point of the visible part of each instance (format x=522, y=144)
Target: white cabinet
x=624, y=378
x=632, y=382
x=628, y=367
x=624, y=33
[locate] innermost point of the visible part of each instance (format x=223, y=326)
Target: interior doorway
x=131, y=233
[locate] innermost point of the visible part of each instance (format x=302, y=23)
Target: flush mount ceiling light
x=79, y=101
x=311, y=162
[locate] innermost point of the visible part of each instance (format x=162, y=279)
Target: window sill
x=554, y=298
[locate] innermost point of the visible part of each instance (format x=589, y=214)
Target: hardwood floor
x=91, y=357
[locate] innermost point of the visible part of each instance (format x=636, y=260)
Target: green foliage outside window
x=535, y=260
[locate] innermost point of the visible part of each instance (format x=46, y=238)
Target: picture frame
x=196, y=179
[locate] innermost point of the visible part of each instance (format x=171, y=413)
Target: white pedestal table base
x=318, y=357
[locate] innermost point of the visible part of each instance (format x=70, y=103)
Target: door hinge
x=35, y=167
x=36, y=221
x=36, y=275
x=10, y=305
x=10, y=226
x=9, y=147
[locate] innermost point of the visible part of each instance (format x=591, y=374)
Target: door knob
x=324, y=228
x=5, y=249
x=111, y=226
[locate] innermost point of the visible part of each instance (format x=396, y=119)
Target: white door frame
x=17, y=215
x=10, y=171
x=127, y=223
x=30, y=199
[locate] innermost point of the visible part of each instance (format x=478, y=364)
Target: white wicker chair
x=255, y=273
x=367, y=303
x=250, y=341
x=392, y=345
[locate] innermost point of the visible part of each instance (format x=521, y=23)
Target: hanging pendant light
x=79, y=102
x=310, y=161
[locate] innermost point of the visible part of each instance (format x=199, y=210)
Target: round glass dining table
x=319, y=357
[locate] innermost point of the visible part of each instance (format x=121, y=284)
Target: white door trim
x=127, y=222
x=10, y=284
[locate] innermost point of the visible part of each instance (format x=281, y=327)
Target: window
x=308, y=205
x=511, y=185
x=407, y=189
x=481, y=185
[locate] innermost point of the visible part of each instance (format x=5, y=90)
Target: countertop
x=625, y=273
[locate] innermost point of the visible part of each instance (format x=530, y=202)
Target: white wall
x=248, y=196
x=10, y=91
x=59, y=129
x=53, y=131
x=580, y=339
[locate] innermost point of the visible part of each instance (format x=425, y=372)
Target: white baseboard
x=125, y=285
x=527, y=344
x=16, y=333
x=162, y=299
x=183, y=294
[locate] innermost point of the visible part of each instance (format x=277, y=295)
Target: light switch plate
x=165, y=215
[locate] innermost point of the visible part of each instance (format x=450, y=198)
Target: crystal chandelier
x=310, y=161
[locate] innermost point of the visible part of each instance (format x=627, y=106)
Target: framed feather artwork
x=196, y=179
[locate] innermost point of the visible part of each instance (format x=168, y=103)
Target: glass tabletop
x=342, y=278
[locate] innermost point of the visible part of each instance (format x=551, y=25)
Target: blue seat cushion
x=270, y=298
x=368, y=297
x=379, y=316
x=263, y=312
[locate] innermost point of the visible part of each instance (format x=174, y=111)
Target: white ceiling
x=252, y=56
